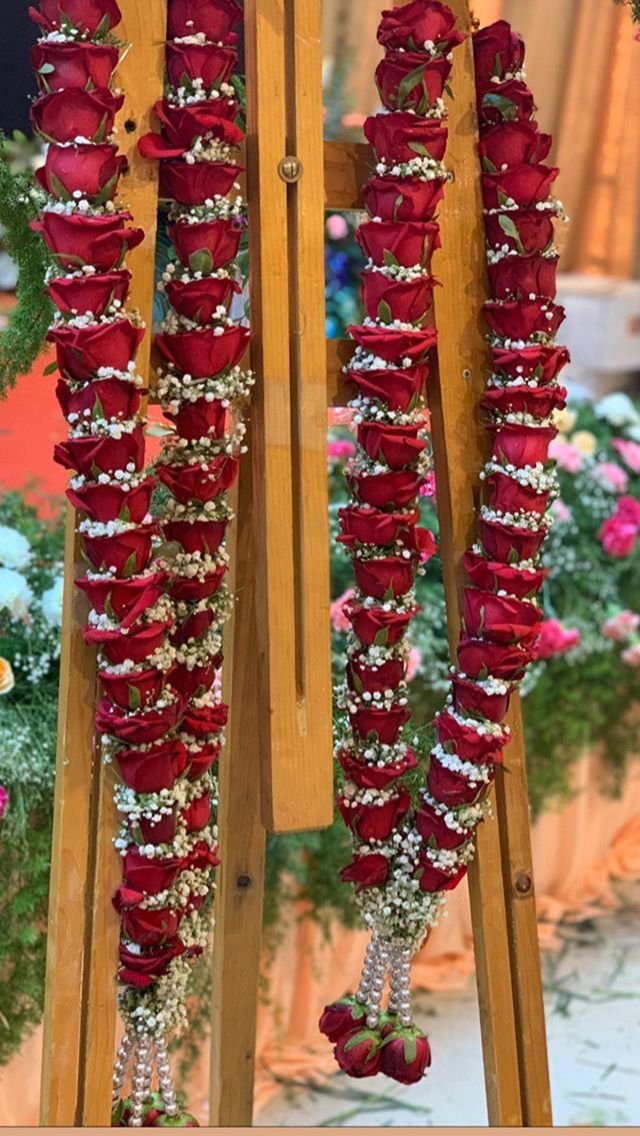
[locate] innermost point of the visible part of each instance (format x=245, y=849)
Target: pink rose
x=566, y=455
x=621, y=625
x=561, y=511
x=611, y=476
x=339, y=449
x=631, y=656
x=414, y=662
x=339, y=620
x=4, y=801
x=555, y=639
x=629, y=452
x=618, y=536
x=337, y=227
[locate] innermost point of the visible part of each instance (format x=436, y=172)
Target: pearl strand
x=120, y=1067
x=142, y=1075
x=167, y=1087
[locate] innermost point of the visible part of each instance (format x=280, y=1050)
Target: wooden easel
x=276, y=770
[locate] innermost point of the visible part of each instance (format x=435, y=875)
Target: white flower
x=15, y=550
x=618, y=410
x=51, y=603
x=15, y=593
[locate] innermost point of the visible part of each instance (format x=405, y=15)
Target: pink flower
x=337, y=227
x=555, y=639
x=340, y=416
x=340, y=449
x=631, y=655
x=618, y=536
x=561, y=511
x=629, y=511
x=629, y=452
x=612, y=476
x=4, y=801
x=339, y=620
x=354, y=121
x=414, y=662
x=566, y=455
x=621, y=625
x=428, y=487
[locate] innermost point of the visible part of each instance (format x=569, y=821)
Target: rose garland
x=406, y=861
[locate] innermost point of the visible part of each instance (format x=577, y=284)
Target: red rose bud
x=509, y=543
x=515, y=277
x=402, y=136
x=520, y=319
x=522, y=445
x=127, y=552
x=512, y=102
x=93, y=170
x=194, y=184
x=471, y=700
x=539, y=401
x=395, y=345
x=143, y=874
x=88, y=16
x=192, y=590
x=81, y=351
x=398, y=488
x=466, y=742
x=111, y=502
x=368, y=776
x=140, y=688
x=508, y=496
x=433, y=879
x=494, y=576
x=478, y=658
x=70, y=114
x=93, y=294
x=101, y=452
x=341, y=1017
x=149, y=771
x=372, y=526
x=189, y=681
x=385, y=725
x=411, y=81
x=366, y=871
x=407, y=244
x=140, y=641
x=497, y=51
x=373, y=624
x=142, y=969
x=125, y=599
x=543, y=361
x=199, y=300
x=410, y=199
x=389, y=576
x=200, y=762
x=372, y=822
x=399, y=390
x=196, y=536
x=386, y=676
x=207, y=61
x=435, y=832
x=139, y=727
x=523, y=230
x=203, y=354
x=358, y=1053
x=193, y=627
x=75, y=240
x=205, y=720
x=398, y=446
x=513, y=144
x=160, y=832
x=452, y=789
x=150, y=927
x=183, y=125
x=405, y=1056
x=215, y=21
x=207, y=245
x=524, y=184
x=59, y=66
x=188, y=483
x=413, y=24
x=404, y=300
x=198, y=814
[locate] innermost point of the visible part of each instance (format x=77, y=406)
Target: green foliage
x=635, y=8
x=24, y=337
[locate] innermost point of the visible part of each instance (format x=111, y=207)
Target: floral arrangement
x=407, y=859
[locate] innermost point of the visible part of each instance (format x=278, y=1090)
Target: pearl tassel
x=167, y=1087
x=142, y=1076
x=120, y=1067
x=400, y=997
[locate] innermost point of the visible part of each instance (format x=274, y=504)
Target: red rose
x=407, y=244
x=162, y=831
x=140, y=641
x=395, y=345
x=505, y=102
x=207, y=245
x=526, y=185
x=397, y=446
x=93, y=170
x=88, y=16
x=508, y=496
x=189, y=681
x=93, y=294
x=79, y=65
x=522, y=445
x=520, y=319
x=511, y=144
x=102, y=453
x=193, y=627
x=190, y=17
x=104, y=398
x=384, y=724
x=341, y=1017
x=358, y=1053
x=203, y=353
x=142, y=969
x=200, y=761
x=127, y=552
x=371, y=822
x=70, y=114
x=140, y=727
x=398, y=488
x=413, y=24
x=75, y=240
x=207, y=61
x=402, y=136
x=436, y=833
x=479, y=658
x=188, y=483
x=386, y=676
x=452, y=789
x=434, y=879
x=126, y=599
x=366, y=871
x=140, y=688
x=373, y=625
x=111, y=502
x=497, y=51
x=411, y=81
x=524, y=230
x=405, y=1056
x=540, y=401
x=390, y=575
x=465, y=741
x=190, y=590
x=509, y=543
x=149, y=771
x=206, y=719
x=403, y=199
x=196, y=536
x=368, y=776
x=199, y=299
x=198, y=814
x=371, y=526
x=469, y=699
x=495, y=576
x=542, y=361
x=194, y=184
x=399, y=390
x=404, y=300
x=150, y=927
x=143, y=874
x=182, y=125
x=81, y=351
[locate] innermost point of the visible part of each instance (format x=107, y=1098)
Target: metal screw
x=523, y=884
x=466, y=374
x=290, y=169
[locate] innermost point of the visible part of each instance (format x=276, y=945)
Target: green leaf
x=98, y=410
x=133, y=697
x=419, y=148
x=103, y=27
x=201, y=261
x=410, y=1049
x=488, y=166
x=508, y=227
x=497, y=67
x=384, y=312
x=105, y=192
x=390, y=261
x=130, y=566
x=100, y=132
x=449, y=91
x=397, y=206
x=61, y=193
x=46, y=69
x=408, y=83
x=51, y=368
x=506, y=107
x=381, y=638
x=125, y=514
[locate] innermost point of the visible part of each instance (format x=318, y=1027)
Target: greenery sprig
x=635, y=8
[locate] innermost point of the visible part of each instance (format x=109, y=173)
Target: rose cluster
x=380, y=531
